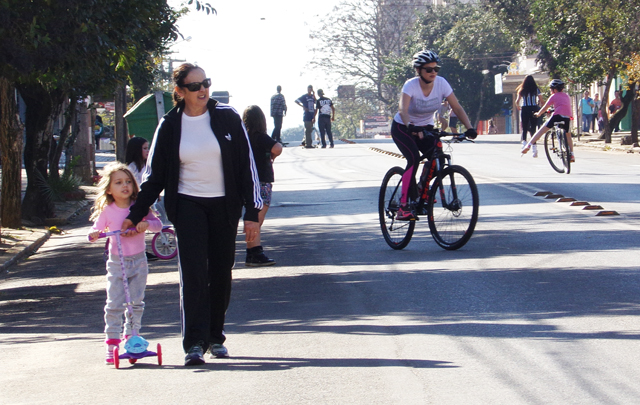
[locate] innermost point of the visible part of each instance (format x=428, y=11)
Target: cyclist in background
x=421, y=98
x=561, y=103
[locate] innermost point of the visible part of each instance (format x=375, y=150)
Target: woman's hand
x=251, y=231
x=124, y=229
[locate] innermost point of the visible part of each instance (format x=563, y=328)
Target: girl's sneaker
x=534, y=150
x=111, y=345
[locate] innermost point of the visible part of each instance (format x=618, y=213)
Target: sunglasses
x=196, y=86
x=431, y=69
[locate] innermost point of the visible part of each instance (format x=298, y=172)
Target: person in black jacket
x=200, y=157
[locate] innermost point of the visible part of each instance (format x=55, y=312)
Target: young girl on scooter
x=118, y=190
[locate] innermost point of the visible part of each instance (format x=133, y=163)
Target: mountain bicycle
x=447, y=195
x=555, y=145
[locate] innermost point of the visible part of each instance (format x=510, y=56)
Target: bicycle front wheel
x=453, y=208
x=397, y=234
x=564, y=147
x=164, y=244
x=553, y=150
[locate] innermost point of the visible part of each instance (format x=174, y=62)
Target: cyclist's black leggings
x=410, y=146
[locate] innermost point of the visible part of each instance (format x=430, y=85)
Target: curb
x=26, y=244
x=20, y=250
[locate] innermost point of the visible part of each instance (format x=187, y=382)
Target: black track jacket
x=241, y=183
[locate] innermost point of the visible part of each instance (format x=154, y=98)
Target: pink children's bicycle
x=163, y=244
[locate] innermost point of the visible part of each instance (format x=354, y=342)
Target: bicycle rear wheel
x=564, y=147
x=397, y=234
x=554, y=151
x=453, y=208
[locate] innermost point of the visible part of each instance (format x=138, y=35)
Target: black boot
x=257, y=258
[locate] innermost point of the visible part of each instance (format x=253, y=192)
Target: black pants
x=277, y=122
x=324, y=125
x=529, y=122
x=206, y=247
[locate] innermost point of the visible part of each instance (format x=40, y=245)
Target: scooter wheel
x=159, y=351
x=116, y=357
x=132, y=361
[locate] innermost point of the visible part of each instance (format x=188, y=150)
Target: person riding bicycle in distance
x=420, y=99
x=562, y=113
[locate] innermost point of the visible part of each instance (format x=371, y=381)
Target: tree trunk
x=635, y=116
x=604, y=108
x=37, y=203
x=83, y=145
x=11, y=154
x=121, y=127
x=621, y=113
x=54, y=161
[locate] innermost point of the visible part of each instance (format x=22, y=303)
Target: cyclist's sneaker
x=525, y=149
x=195, y=355
x=534, y=150
x=572, y=158
x=405, y=214
x=218, y=350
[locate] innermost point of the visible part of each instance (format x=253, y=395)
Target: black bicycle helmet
x=556, y=84
x=423, y=57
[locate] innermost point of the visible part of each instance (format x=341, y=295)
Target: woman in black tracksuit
x=200, y=157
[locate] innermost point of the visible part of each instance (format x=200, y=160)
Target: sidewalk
x=593, y=141
x=17, y=244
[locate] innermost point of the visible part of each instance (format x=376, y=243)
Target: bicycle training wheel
x=453, y=208
x=554, y=151
x=397, y=234
x=564, y=147
x=164, y=244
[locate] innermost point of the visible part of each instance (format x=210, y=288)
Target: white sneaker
x=535, y=150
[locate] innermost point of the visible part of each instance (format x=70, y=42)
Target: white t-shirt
x=421, y=108
x=201, y=173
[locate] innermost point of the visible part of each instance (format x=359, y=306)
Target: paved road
x=541, y=306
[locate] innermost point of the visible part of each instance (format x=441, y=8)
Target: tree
x=479, y=44
x=52, y=48
x=581, y=41
x=357, y=38
x=350, y=111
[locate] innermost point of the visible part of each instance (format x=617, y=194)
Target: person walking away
x=326, y=114
x=265, y=150
x=200, y=156
x=528, y=102
x=421, y=98
x=561, y=103
x=98, y=131
x=308, y=104
x=614, y=106
x=278, y=111
x=587, y=107
x=597, y=114
x=136, y=155
x=116, y=192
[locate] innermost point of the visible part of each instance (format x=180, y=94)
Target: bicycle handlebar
x=441, y=134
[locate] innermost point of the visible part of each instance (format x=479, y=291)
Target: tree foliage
x=357, y=38
x=50, y=49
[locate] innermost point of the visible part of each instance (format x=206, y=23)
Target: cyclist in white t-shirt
x=421, y=98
